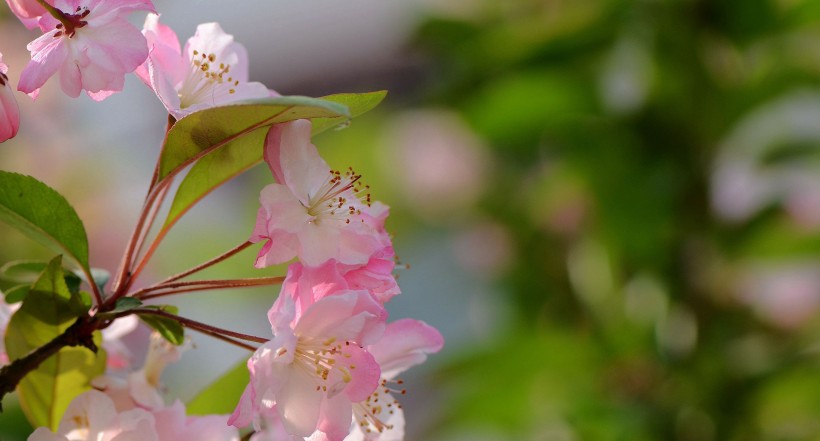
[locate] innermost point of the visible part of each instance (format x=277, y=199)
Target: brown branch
x=78, y=334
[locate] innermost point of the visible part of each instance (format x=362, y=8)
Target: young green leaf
x=223, y=394
x=123, y=304
x=47, y=311
x=169, y=329
x=43, y=214
x=226, y=163
x=204, y=132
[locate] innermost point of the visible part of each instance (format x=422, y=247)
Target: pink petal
x=47, y=56
x=304, y=171
x=43, y=434
x=364, y=372
x=271, y=152
x=344, y=316
x=405, y=343
x=334, y=420
x=299, y=403
x=28, y=11
x=9, y=113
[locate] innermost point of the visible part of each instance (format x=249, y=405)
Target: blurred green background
x=611, y=209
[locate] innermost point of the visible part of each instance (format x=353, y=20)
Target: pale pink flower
x=93, y=52
x=172, y=424
x=312, y=212
x=9, y=111
x=93, y=417
x=141, y=388
x=311, y=373
x=212, y=70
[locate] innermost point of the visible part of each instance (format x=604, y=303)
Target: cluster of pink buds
x=329, y=370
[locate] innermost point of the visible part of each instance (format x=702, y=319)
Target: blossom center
x=208, y=79
x=322, y=357
x=3, y=79
x=69, y=23
x=338, y=197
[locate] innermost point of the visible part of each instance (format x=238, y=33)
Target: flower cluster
x=132, y=408
x=328, y=371
x=330, y=368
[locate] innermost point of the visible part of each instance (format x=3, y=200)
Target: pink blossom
x=311, y=373
x=9, y=112
x=313, y=212
x=92, y=417
x=211, y=71
x=92, y=48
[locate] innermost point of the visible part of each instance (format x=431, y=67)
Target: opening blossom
x=313, y=212
x=9, y=111
x=211, y=71
x=313, y=372
x=92, y=47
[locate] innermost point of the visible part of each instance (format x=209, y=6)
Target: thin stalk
x=227, y=339
x=193, y=324
x=56, y=13
x=124, y=275
x=207, y=264
x=152, y=217
x=203, y=285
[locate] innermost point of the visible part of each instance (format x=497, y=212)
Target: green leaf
x=23, y=271
x=170, y=329
x=223, y=394
x=48, y=309
x=43, y=214
x=16, y=294
x=123, y=304
x=202, y=133
x=226, y=163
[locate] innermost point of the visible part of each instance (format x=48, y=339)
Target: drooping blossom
x=6, y=311
x=9, y=111
x=212, y=70
x=93, y=417
x=312, y=212
x=92, y=48
x=313, y=372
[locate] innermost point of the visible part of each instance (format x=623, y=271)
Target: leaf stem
x=203, y=285
x=207, y=264
x=199, y=326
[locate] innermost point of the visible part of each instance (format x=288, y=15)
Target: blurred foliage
x=606, y=122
